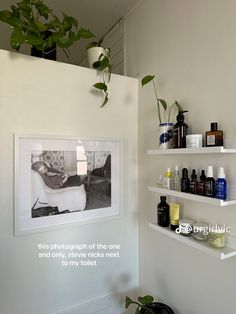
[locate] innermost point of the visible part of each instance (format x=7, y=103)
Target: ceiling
x=96, y=15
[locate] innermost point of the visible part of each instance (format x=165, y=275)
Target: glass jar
x=216, y=238
x=200, y=231
x=186, y=226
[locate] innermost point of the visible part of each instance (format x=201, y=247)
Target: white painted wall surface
x=47, y=97
x=191, y=47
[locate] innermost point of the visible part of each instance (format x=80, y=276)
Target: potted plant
x=95, y=50
x=99, y=59
x=146, y=305
x=165, y=125
x=34, y=23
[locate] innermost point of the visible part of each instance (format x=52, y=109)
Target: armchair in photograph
x=66, y=199
x=100, y=178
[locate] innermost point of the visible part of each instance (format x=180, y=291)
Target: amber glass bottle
x=215, y=136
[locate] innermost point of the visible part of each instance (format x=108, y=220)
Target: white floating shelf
x=221, y=253
x=203, y=150
x=192, y=197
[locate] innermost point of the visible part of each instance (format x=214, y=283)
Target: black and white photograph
x=65, y=181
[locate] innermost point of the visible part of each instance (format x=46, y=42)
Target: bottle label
x=201, y=188
x=166, y=182
x=221, y=190
x=209, y=189
x=211, y=140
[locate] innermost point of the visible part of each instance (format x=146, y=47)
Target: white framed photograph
x=61, y=181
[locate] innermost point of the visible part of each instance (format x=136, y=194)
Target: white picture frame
x=62, y=181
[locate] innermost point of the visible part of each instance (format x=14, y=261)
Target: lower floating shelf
x=192, y=197
x=222, y=253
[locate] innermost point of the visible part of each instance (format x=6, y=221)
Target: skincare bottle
x=193, y=183
x=185, y=181
x=160, y=180
x=221, y=185
x=163, y=213
x=180, y=131
x=167, y=179
x=215, y=136
x=210, y=183
x=176, y=179
x=201, y=184
x=174, y=216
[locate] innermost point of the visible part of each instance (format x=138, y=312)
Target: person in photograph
x=55, y=179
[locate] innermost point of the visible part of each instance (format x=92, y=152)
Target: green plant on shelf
x=161, y=103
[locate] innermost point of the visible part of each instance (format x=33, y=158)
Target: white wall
x=47, y=97
x=190, y=45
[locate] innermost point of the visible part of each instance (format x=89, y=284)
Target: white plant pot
x=93, y=54
x=166, y=135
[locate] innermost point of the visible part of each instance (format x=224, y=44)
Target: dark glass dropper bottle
x=201, y=184
x=185, y=181
x=193, y=182
x=210, y=183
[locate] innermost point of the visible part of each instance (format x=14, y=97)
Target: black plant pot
x=158, y=308
x=50, y=53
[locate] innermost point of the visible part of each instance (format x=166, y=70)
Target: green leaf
x=128, y=301
x=164, y=104
x=92, y=44
x=72, y=35
x=5, y=16
x=137, y=311
x=15, y=11
x=54, y=23
x=34, y=28
x=105, y=101
x=64, y=42
x=147, y=299
x=96, y=65
x=85, y=33
x=9, y=18
x=67, y=22
x=178, y=106
x=101, y=86
x=102, y=63
x=34, y=40
x=42, y=27
x=147, y=79
x=17, y=39
x=42, y=9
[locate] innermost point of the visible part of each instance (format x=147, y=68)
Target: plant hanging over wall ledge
x=99, y=59
x=35, y=24
x=103, y=65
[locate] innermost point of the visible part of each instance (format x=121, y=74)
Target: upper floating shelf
x=192, y=197
x=203, y=150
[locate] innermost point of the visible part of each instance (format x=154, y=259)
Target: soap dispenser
x=180, y=131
